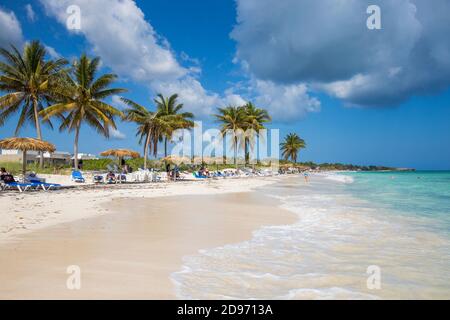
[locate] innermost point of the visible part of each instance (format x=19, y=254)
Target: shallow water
x=346, y=223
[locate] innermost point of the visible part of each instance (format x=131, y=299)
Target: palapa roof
x=120, y=153
x=25, y=144
x=177, y=159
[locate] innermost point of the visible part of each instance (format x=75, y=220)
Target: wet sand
x=130, y=254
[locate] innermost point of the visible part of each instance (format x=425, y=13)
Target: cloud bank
x=328, y=45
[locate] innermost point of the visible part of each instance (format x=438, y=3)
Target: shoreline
x=131, y=252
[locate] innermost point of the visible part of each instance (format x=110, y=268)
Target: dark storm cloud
x=327, y=44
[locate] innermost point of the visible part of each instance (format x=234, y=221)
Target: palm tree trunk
x=75, y=148
x=247, y=154
x=165, y=146
x=235, y=152
x=24, y=164
x=38, y=130
x=147, y=142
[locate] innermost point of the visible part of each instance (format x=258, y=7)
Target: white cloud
x=52, y=52
x=119, y=104
x=11, y=31
x=191, y=93
x=121, y=36
x=128, y=44
x=116, y=134
x=233, y=99
x=31, y=15
x=285, y=102
x=327, y=45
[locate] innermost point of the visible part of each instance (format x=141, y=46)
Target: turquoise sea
x=349, y=224
x=422, y=193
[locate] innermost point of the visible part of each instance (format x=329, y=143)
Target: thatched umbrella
x=177, y=159
x=26, y=144
x=120, y=154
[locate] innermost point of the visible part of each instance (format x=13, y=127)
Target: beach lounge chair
x=45, y=186
x=98, y=179
x=196, y=175
x=49, y=186
x=77, y=176
x=22, y=187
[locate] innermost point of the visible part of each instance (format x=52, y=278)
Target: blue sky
x=354, y=96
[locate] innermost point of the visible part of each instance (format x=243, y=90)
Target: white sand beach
x=24, y=212
x=126, y=239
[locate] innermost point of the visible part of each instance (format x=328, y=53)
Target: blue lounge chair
x=50, y=186
x=196, y=175
x=45, y=186
x=77, y=176
x=218, y=174
x=19, y=186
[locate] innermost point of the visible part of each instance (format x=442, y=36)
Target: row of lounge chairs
x=32, y=185
x=241, y=173
x=103, y=178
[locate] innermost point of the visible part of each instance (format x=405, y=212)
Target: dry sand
x=24, y=212
x=126, y=247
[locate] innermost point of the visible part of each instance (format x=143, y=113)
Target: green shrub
x=96, y=165
x=15, y=168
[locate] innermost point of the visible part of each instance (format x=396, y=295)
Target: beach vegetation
x=26, y=79
x=245, y=123
x=255, y=120
x=79, y=98
x=168, y=108
x=232, y=119
x=291, y=146
x=157, y=126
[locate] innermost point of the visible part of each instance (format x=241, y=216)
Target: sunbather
x=110, y=177
x=5, y=176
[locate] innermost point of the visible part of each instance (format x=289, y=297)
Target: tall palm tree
x=170, y=107
x=291, y=146
x=255, y=118
x=152, y=126
x=27, y=80
x=80, y=98
x=232, y=118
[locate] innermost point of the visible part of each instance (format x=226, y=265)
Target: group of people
x=111, y=177
x=174, y=173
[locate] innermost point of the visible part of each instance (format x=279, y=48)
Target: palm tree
x=291, y=146
x=27, y=80
x=232, y=118
x=170, y=107
x=80, y=98
x=152, y=126
x=255, y=118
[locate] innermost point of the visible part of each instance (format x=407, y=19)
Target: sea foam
x=324, y=255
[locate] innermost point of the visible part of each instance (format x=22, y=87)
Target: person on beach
x=175, y=173
x=306, y=175
x=3, y=172
x=204, y=172
x=5, y=176
x=110, y=177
